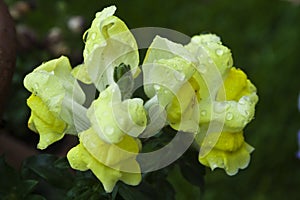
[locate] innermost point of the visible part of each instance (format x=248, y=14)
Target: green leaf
x=191, y=169
x=35, y=197
x=123, y=77
x=86, y=186
x=11, y=184
x=131, y=193
x=184, y=190
x=9, y=177
x=50, y=168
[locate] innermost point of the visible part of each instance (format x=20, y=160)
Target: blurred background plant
x=264, y=38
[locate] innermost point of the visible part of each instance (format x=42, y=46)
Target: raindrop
x=220, y=107
x=121, y=121
x=93, y=36
x=202, y=68
x=109, y=130
x=103, y=94
x=246, y=98
x=179, y=76
x=36, y=86
x=203, y=113
x=210, y=61
x=156, y=87
x=242, y=101
x=96, y=46
x=219, y=52
x=229, y=116
x=166, y=92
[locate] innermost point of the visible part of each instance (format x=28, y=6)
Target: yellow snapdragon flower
x=113, y=118
x=202, y=90
x=109, y=162
x=230, y=151
x=108, y=148
x=52, y=87
x=108, y=43
x=232, y=105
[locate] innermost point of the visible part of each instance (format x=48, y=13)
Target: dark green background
x=264, y=39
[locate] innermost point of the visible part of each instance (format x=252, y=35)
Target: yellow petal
x=225, y=141
x=84, y=158
x=182, y=112
x=45, y=123
x=235, y=85
x=230, y=161
x=110, y=154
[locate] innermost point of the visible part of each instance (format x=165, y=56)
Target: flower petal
x=112, y=118
x=108, y=43
x=231, y=161
x=106, y=161
x=48, y=126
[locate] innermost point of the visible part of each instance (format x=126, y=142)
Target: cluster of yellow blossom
x=196, y=85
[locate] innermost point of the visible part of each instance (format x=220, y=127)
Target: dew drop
x=96, y=46
x=242, y=101
x=229, y=116
x=104, y=94
x=36, y=86
x=109, y=130
x=93, y=36
x=203, y=113
x=121, y=121
x=246, y=98
x=219, y=52
x=220, y=107
x=179, y=76
x=202, y=68
x=156, y=87
x=210, y=61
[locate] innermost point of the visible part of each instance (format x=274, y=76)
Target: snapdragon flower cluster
x=195, y=85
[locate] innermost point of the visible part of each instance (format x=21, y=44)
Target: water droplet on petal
x=202, y=68
x=103, y=94
x=156, y=87
x=109, y=130
x=96, y=46
x=242, y=101
x=246, y=98
x=166, y=92
x=220, y=107
x=93, y=36
x=36, y=86
x=210, y=61
x=203, y=113
x=219, y=52
x=229, y=116
x=179, y=76
x=121, y=121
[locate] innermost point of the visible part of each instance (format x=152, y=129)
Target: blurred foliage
x=264, y=39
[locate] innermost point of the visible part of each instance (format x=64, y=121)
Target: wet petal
x=112, y=118
x=107, y=161
x=108, y=43
x=42, y=121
